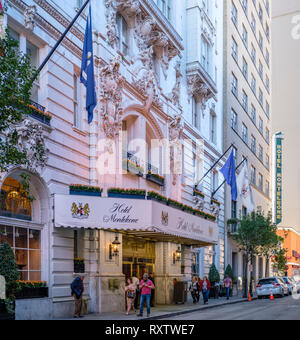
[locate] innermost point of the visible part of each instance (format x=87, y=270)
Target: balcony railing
x=38, y=112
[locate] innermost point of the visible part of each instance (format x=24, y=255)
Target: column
x=111, y=281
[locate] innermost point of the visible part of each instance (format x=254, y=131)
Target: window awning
x=134, y=217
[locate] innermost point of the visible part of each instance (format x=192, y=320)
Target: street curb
x=169, y=315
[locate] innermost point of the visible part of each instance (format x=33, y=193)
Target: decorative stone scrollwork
x=111, y=85
x=215, y=210
x=199, y=203
x=175, y=136
x=29, y=16
x=199, y=89
x=175, y=96
x=31, y=139
x=128, y=8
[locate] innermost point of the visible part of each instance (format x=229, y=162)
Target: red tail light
x=258, y=286
x=276, y=284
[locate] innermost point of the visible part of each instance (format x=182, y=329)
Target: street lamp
x=114, y=248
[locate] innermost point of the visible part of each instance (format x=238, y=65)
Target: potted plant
x=8, y=269
x=85, y=190
x=214, y=277
x=214, y=201
x=40, y=114
x=198, y=193
x=32, y=290
x=155, y=178
x=126, y=193
x=152, y=195
x=79, y=266
x=175, y=204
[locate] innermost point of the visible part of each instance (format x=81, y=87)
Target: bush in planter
x=229, y=272
x=213, y=275
x=8, y=269
x=154, y=195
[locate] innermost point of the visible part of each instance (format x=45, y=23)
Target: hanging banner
x=2, y=20
x=278, y=177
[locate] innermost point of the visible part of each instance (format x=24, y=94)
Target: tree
x=16, y=74
x=248, y=238
x=213, y=275
x=280, y=261
x=270, y=241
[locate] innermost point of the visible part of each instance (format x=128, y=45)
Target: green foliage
x=15, y=91
x=213, y=275
x=8, y=269
x=280, y=261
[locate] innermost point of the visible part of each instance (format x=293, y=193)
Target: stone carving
x=29, y=17
x=200, y=90
x=31, y=139
x=111, y=85
x=199, y=203
x=215, y=210
x=175, y=96
x=128, y=8
x=175, y=136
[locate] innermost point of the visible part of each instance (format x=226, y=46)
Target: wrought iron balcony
x=38, y=112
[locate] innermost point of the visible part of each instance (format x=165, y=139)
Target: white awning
x=140, y=218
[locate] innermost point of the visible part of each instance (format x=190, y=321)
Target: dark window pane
x=22, y=259
x=34, y=239
x=21, y=240
x=34, y=260
x=35, y=276
x=24, y=276
x=6, y=235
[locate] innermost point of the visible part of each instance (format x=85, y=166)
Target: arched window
x=123, y=34
x=14, y=201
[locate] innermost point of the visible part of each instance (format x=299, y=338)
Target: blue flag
x=228, y=172
x=87, y=76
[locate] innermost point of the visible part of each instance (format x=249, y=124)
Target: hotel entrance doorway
x=138, y=257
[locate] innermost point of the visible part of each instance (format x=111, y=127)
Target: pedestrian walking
x=228, y=286
x=194, y=289
x=136, y=282
x=77, y=289
x=130, y=291
x=205, y=288
x=146, y=286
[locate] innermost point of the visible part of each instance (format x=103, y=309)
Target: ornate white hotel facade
x=159, y=77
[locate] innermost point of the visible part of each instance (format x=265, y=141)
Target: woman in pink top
x=146, y=287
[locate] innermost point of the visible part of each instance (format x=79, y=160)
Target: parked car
x=271, y=284
x=291, y=285
x=297, y=283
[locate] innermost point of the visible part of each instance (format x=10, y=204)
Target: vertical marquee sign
x=278, y=178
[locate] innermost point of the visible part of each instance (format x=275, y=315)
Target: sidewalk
x=162, y=312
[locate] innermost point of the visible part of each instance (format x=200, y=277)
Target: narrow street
x=280, y=309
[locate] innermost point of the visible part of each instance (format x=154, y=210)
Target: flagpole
x=214, y=165
x=213, y=194
x=58, y=42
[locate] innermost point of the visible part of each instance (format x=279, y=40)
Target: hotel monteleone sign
x=278, y=178
x=131, y=214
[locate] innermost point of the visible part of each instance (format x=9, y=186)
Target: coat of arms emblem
x=80, y=211
x=165, y=219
